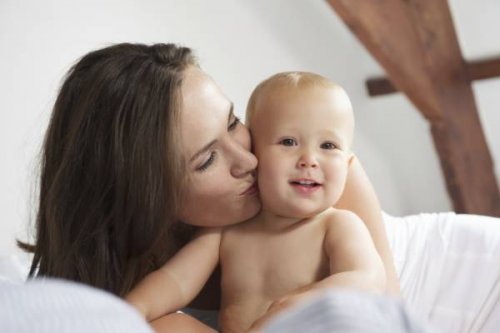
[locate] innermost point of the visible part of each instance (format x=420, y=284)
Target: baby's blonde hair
x=294, y=79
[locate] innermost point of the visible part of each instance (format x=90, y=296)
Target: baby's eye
x=288, y=142
x=328, y=145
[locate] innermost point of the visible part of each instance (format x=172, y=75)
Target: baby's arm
x=354, y=263
x=359, y=197
x=178, y=282
x=354, y=260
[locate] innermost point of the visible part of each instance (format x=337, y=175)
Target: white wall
x=240, y=43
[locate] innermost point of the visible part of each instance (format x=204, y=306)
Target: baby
x=302, y=128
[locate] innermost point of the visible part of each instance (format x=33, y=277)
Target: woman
x=142, y=148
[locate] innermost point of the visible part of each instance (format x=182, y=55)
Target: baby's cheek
x=266, y=177
x=269, y=172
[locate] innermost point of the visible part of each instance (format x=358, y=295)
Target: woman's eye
x=207, y=163
x=233, y=124
x=328, y=145
x=288, y=142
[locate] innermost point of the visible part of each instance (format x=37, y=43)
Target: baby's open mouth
x=306, y=183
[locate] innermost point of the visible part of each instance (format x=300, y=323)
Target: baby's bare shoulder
x=340, y=218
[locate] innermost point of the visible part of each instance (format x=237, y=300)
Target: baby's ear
x=350, y=157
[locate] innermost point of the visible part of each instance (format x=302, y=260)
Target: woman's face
x=221, y=187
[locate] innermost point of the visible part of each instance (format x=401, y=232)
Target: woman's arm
x=177, y=282
x=360, y=198
x=180, y=323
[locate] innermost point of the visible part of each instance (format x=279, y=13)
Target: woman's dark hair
x=111, y=169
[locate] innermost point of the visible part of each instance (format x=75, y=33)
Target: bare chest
x=271, y=266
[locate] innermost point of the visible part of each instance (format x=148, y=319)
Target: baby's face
x=302, y=139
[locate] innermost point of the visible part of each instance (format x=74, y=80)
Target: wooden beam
x=378, y=86
x=475, y=70
x=483, y=69
x=416, y=43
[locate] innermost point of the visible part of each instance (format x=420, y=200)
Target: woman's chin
x=245, y=210
x=218, y=218
x=252, y=209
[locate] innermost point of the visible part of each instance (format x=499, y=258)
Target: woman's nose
x=244, y=162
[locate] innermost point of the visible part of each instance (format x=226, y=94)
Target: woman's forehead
x=201, y=94
x=204, y=110
x=196, y=82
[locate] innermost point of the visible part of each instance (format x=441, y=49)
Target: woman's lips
x=252, y=189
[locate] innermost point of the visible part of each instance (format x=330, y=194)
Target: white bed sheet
x=448, y=265
x=449, y=269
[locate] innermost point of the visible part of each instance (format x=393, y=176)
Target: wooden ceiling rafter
x=416, y=43
x=476, y=70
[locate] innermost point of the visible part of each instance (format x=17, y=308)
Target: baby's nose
x=307, y=161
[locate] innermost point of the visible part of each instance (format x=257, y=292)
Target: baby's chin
x=304, y=212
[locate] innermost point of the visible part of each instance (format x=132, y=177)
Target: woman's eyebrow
x=231, y=112
x=203, y=150
x=213, y=142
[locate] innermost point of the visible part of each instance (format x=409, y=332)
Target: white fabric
x=57, y=306
x=448, y=264
x=346, y=311
x=449, y=269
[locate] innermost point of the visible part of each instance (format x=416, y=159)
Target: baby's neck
x=275, y=223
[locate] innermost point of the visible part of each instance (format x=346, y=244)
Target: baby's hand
x=279, y=306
